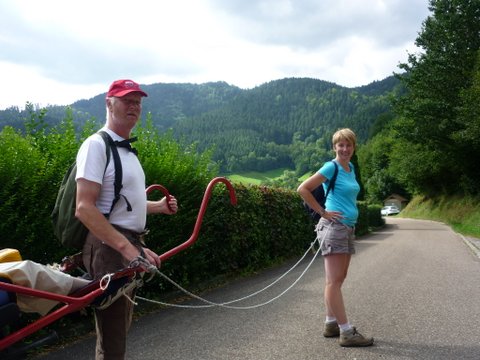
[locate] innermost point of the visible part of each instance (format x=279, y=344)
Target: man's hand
x=152, y=257
x=161, y=206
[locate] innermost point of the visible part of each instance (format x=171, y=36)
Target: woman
x=336, y=230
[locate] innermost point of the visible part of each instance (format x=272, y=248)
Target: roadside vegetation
x=426, y=150
x=461, y=213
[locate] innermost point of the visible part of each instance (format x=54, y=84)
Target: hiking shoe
x=331, y=329
x=352, y=338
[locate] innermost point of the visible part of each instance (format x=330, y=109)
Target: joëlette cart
x=10, y=313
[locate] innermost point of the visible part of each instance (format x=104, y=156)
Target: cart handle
x=165, y=192
x=201, y=213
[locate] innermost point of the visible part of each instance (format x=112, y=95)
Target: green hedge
x=375, y=219
x=266, y=226
x=369, y=218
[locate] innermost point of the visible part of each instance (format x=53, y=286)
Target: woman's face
x=344, y=150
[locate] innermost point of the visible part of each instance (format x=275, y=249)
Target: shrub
x=267, y=226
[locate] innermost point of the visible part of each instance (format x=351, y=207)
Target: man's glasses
x=131, y=102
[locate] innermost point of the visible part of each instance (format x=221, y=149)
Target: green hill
x=285, y=123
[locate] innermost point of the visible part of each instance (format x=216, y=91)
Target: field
x=256, y=178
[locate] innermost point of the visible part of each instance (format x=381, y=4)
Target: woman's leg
x=336, y=269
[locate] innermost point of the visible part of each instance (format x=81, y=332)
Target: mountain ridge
x=250, y=129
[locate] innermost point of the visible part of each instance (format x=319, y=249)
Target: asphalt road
x=414, y=286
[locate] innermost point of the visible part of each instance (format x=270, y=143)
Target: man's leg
x=112, y=325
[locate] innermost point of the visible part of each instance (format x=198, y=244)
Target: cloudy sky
x=56, y=51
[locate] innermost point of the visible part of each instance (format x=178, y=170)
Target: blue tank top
x=344, y=197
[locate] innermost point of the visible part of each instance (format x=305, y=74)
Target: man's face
x=127, y=109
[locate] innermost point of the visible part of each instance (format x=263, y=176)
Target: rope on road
x=227, y=304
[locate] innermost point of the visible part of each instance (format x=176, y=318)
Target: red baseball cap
x=121, y=88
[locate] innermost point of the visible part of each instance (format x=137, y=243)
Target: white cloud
x=23, y=84
x=56, y=52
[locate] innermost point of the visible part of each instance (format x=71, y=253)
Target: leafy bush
x=361, y=228
x=266, y=226
x=375, y=219
x=23, y=198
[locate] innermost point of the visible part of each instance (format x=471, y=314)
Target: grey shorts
x=335, y=237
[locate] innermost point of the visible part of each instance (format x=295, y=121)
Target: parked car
x=389, y=210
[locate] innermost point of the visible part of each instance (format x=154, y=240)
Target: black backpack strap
x=105, y=137
x=117, y=185
x=331, y=184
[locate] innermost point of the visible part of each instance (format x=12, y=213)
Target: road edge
x=473, y=244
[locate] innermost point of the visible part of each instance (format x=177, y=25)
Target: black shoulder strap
x=110, y=144
x=331, y=184
x=105, y=137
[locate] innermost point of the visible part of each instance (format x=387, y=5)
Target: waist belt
x=136, y=238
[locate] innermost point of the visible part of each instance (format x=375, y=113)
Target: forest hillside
x=282, y=123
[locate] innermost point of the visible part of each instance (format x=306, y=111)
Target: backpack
x=320, y=195
x=66, y=227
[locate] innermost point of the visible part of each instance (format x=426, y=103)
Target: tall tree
x=435, y=79
x=468, y=135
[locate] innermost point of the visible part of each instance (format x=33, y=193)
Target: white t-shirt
x=91, y=160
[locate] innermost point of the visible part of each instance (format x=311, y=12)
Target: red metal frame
x=89, y=293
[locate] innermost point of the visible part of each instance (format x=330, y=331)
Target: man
x=114, y=242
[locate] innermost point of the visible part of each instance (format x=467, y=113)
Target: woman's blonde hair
x=344, y=134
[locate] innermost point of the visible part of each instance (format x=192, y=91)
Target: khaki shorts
x=335, y=237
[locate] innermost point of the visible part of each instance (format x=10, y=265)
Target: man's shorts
x=335, y=237
x=100, y=259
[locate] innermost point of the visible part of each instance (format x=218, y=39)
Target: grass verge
x=256, y=177
x=461, y=213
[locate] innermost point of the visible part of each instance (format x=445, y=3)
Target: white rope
x=135, y=282
x=227, y=304
x=105, y=281
x=125, y=290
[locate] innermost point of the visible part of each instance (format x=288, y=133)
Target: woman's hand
x=332, y=215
